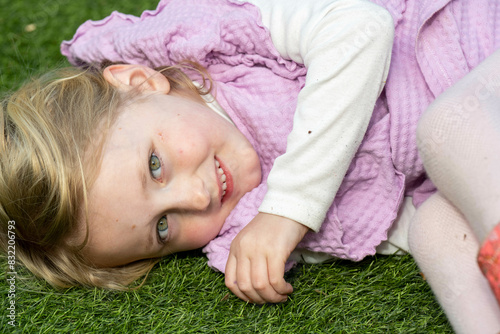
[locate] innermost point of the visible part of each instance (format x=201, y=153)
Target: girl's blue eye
x=155, y=166
x=163, y=228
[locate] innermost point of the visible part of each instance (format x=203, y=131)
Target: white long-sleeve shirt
x=346, y=48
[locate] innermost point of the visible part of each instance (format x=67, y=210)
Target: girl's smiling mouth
x=224, y=180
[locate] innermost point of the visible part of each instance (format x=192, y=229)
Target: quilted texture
x=436, y=43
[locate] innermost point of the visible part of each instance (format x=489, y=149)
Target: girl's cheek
x=183, y=236
x=196, y=235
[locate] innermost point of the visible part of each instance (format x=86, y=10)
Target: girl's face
x=172, y=171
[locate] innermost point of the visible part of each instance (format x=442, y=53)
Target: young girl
x=111, y=169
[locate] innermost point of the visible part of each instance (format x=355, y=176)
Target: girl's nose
x=193, y=195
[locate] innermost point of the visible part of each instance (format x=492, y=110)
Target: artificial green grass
x=182, y=295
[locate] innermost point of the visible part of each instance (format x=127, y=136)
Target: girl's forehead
x=136, y=116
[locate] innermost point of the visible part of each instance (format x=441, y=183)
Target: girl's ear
x=127, y=77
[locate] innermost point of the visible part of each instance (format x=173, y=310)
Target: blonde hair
x=45, y=128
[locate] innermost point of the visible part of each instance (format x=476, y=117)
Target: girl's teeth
x=222, y=177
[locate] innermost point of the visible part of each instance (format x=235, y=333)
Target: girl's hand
x=256, y=264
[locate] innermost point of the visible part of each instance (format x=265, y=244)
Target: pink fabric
x=437, y=42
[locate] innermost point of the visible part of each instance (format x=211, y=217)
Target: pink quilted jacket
x=436, y=43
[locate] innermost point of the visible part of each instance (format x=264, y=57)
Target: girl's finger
x=261, y=283
x=276, y=267
x=245, y=283
x=230, y=278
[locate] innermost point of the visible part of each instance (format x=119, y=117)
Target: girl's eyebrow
x=151, y=235
x=144, y=180
x=152, y=223
x=142, y=170
x=150, y=241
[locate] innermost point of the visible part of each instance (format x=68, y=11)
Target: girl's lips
x=229, y=182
